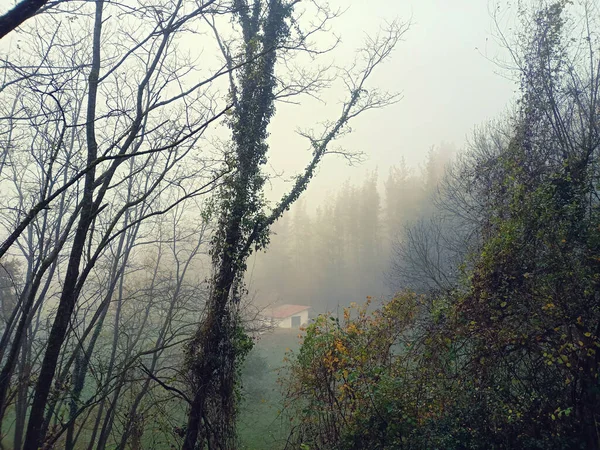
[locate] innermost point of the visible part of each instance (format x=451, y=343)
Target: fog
x=451, y=71
x=299, y=224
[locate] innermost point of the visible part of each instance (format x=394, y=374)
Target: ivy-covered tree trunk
x=220, y=344
x=212, y=354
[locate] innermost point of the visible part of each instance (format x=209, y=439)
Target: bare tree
x=103, y=122
x=429, y=249
x=80, y=202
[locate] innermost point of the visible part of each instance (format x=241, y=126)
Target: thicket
x=505, y=353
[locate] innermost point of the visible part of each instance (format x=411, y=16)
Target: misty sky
x=443, y=69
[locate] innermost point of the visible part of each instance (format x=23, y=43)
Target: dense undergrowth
x=506, y=354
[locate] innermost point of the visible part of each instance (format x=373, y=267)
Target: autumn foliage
x=345, y=369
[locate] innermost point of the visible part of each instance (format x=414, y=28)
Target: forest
x=146, y=236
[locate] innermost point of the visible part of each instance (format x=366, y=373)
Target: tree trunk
x=211, y=355
x=25, y=9
x=33, y=437
x=22, y=397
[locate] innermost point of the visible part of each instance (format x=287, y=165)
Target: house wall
x=287, y=322
x=304, y=317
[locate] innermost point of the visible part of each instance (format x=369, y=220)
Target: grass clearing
x=260, y=425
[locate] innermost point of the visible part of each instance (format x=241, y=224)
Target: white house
x=289, y=316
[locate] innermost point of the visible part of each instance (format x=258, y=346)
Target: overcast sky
x=443, y=69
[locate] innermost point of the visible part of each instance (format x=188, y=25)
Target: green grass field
x=260, y=425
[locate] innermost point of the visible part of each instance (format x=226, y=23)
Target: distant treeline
x=343, y=249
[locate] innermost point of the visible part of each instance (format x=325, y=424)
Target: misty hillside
x=299, y=224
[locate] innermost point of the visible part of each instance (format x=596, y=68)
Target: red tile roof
x=283, y=311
